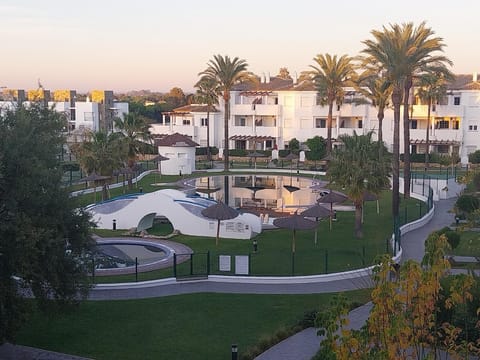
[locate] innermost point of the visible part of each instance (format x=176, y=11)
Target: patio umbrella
x=256, y=155
x=219, y=211
x=294, y=222
x=94, y=177
x=331, y=198
x=291, y=188
x=254, y=187
x=318, y=212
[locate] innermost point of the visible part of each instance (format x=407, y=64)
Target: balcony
x=248, y=109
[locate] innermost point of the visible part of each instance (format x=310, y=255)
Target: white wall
x=180, y=159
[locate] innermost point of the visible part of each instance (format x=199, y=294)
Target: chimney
x=295, y=78
x=267, y=80
x=262, y=78
x=474, y=78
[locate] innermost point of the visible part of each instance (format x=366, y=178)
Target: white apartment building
x=273, y=112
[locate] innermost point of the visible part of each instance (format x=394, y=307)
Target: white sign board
x=302, y=156
x=224, y=263
x=274, y=154
x=241, y=264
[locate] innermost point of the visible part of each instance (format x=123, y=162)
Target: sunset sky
x=131, y=45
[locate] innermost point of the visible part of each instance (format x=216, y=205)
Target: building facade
x=269, y=114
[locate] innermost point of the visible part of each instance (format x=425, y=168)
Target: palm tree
x=207, y=93
x=226, y=72
x=358, y=168
x=133, y=131
x=102, y=153
x=377, y=89
x=432, y=88
x=330, y=75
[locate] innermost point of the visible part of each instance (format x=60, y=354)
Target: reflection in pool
x=259, y=192
x=120, y=255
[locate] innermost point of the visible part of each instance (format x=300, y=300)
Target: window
x=204, y=121
x=240, y=144
x=360, y=124
x=259, y=122
x=186, y=122
x=268, y=144
x=320, y=123
x=240, y=121
x=413, y=124
x=472, y=127
x=441, y=124
x=72, y=114
x=456, y=100
x=443, y=149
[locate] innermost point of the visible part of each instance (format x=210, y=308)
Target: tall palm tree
x=377, y=89
x=432, y=87
x=226, y=73
x=422, y=52
x=133, y=131
x=330, y=75
x=102, y=153
x=357, y=167
x=208, y=92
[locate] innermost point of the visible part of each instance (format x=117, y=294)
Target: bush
x=476, y=181
x=467, y=203
x=474, y=157
x=453, y=237
x=237, y=152
x=203, y=150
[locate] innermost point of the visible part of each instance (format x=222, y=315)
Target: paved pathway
x=304, y=345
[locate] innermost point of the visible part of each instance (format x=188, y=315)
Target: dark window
x=360, y=124
x=72, y=115
x=442, y=124
x=456, y=100
x=240, y=144
x=204, y=122
x=472, y=127
x=186, y=122
x=320, y=123
x=413, y=124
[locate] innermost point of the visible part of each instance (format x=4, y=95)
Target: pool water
x=119, y=255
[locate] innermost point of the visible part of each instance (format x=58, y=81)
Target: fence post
x=293, y=263
x=363, y=256
x=326, y=261
x=208, y=262
x=174, y=265
x=93, y=270
x=191, y=264
x=136, y=269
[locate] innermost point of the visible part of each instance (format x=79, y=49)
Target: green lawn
x=469, y=244
x=194, y=326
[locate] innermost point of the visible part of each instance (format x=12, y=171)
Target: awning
x=251, y=137
x=435, y=142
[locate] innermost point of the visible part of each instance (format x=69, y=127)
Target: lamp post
x=234, y=352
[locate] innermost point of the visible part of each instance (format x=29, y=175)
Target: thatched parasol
x=331, y=198
x=94, y=177
x=318, y=212
x=294, y=222
x=256, y=155
x=219, y=211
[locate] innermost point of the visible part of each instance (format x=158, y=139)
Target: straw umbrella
x=331, y=198
x=219, y=211
x=294, y=222
x=94, y=177
x=318, y=212
x=256, y=155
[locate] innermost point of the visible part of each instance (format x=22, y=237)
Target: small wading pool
x=119, y=254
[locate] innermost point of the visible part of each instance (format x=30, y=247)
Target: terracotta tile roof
x=464, y=82
x=194, y=108
x=175, y=140
x=274, y=84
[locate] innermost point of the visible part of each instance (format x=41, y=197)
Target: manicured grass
x=469, y=244
x=194, y=326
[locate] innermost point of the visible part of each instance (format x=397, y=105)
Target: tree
x=176, y=97
x=317, y=146
x=102, y=153
x=330, y=75
x=432, y=88
x=43, y=235
x=377, y=89
x=294, y=145
x=284, y=74
x=207, y=93
x=357, y=167
x=226, y=72
x=134, y=134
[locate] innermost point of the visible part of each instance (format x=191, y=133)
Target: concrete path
x=306, y=344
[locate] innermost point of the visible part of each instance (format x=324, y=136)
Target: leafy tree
x=330, y=76
x=474, y=157
x=284, y=74
x=176, y=97
x=467, y=203
x=317, y=146
x=43, y=235
x=101, y=153
x=226, y=73
x=294, y=145
x=357, y=167
x=207, y=93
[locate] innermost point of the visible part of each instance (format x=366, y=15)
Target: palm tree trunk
x=396, y=99
x=406, y=140
x=427, y=137
x=226, y=98
x=358, y=220
x=380, y=116
x=329, y=128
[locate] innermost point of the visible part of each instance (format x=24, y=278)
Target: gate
x=191, y=266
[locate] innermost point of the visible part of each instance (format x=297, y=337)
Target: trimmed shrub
x=467, y=203
x=476, y=181
x=474, y=157
x=453, y=237
x=238, y=152
x=203, y=150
